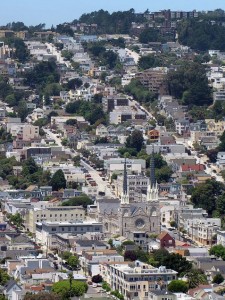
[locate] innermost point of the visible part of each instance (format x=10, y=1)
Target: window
x=53, y=229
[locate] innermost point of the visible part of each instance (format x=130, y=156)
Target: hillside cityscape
x=112, y=157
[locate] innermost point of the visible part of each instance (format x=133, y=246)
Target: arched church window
x=153, y=212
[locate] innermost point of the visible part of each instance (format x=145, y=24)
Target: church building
x=135, y=220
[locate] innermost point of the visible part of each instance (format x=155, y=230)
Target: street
x=103, y=186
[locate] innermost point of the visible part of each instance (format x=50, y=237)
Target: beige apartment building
x=217, y=127
x=54, y=214
x=136, y=280
x=24, y=131
x=154, y=80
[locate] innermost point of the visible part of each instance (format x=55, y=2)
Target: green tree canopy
x=190, y=84
x=117, y=22
x=206, y=195
x=73, y=261
x=218, y=251
x=178, y=286
x=43, y=73
x=58, y=181
x=135, y=140
x=149, y=61
x=201, y=35
x=90, y=111
x=67, y=289
x=195, y=278
x=218, y=278
x=149, y=35
x=74, y=83
x=97, y=278
x=139, y=92
x=42, y=296
x=172, y=261
x=82, y=200
x=4, y=277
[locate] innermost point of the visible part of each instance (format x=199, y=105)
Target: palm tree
x=70, y=275
x=195, y=278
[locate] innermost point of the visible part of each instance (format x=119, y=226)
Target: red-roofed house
x=166, y=240
x=192, y=168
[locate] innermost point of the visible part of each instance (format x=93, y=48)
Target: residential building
x=24, y=131
x=203, y=230
x=115, y=165
x=153, y=79
x=220, y=159
x=110, y=103
x=90, y=260
x=54, y=214
x=46, y=230
x=126, y=113
x=215, y=126
x=221, y=237
x=135, y=281
x=136, y=186
x=81, y=245
x=182, y=126
x=161, y=295
x=166, y=240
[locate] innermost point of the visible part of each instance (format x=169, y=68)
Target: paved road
x=103, y=186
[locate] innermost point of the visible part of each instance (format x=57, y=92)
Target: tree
x=218, y=251
x=16, y=219
x=22, y=110
x=130, y=255
x=149, y=61
x=190, y=83
x=206, y=195
x=4, y=277
x=106, y=286
x=66, y=255
x=202, y=35
x=67, y=54
x=97, y=278
x=212, y=155
x=218, y=278
x=195, y=278
x=135, y=140
x=178, y=286
x=163, y=174
x=43, y=73
x=82, y=200
x=221, y=146
x=58, y=181
x=172, y=261
x=30, y=167
x=67, y=289
x=74, y=83
x=139, y=92
x=71, y=122
x=73, y=261
x=42, y=296
x=149, y=35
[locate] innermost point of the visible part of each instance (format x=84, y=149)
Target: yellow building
x=215, y=126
